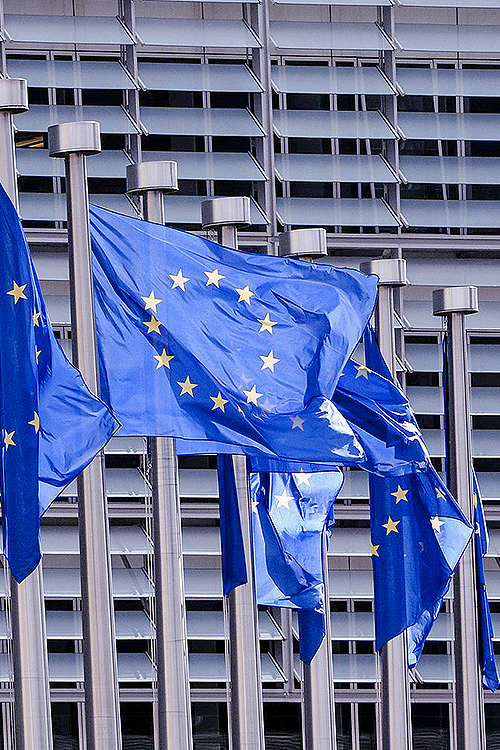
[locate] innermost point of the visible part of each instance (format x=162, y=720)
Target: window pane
x=430, y=723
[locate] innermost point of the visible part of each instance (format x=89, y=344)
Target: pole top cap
x=152, y=175
x=310, y=242
x=83, y=137
x=462, y=299
x=13, y=95
x=390, y=271
x=218, y=212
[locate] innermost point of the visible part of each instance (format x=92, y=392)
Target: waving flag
x=201, y=342
x=418, y=531
x=51, y=425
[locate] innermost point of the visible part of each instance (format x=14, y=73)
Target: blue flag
x=488, y=663
x=418, y=531
x=234, y=570
x=290, y=514
x=51, y=425
x=201, y=342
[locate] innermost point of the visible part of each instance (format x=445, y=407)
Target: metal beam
x=246, y=724
x=318, y=699
x=152, y=180
x=395, y=704
x=74, y=141
x=33, y=723
x=454, y=303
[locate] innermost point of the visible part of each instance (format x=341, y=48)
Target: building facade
x=379, y=121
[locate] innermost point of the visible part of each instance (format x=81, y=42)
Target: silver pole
x=246, y=725
x=74, y=141
x=318, y=696
x=455, y=303
x=395, y=698
x=33, y=723
x=152, y=180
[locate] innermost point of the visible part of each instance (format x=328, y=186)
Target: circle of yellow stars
x=163, y=359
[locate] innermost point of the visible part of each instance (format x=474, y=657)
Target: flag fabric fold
x=51, y=424
x=488, y=663
x=202, y=342
x=418, y=531
x=291, y=512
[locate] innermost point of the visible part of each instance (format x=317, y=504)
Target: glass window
x=282, y=726
x=343, y=725
x=137, y=725
x=413, y=147
x=102, y=97
x=308, y=101
x=209, y=726
x=229, y=100
x=64, y=726
x=311, y=190
x=430, y=724
x=415, y=104
x=367, y=726
x=311, y=146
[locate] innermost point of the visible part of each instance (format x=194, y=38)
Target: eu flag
x=202, y=342
x=418, y=532
x=51, y=425
x=291, y=512
x=488, y=663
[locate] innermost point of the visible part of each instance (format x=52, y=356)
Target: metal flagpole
x=318, y=704
x=151, y=180
x=246, y=725
x=74, y=141
x=33, y=723
x=396, y=714
x=455, y=303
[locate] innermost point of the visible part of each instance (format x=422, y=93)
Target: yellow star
x=440, y=494
x=362, y=371
x=266, y=324
x=37, y=354
x=240, y=410
x=283, y=499
x=254, y=506
x=18, y=292
x=436, y=524
x=245, y=294
x=297, y=422
x=219, y=402
x=151, y=302
x=164, y=359
x=478, y=529
x=400, y=494
x=187, y=386
x=35, y=422
x=8, y=439
x=252, y=396
x=302, y=477
x=213, y=277
x=474, y=497
x=153, y=324
x=269, y=361
x=179, y=280
x=36, y=319
x=391, y=526
x=375, y=550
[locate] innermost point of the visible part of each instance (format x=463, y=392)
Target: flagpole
x=246, y=724
x=152, y=180
x=395, y=708
x=455, y=303
x=33, y=722
x=74, y=141
x=318, y=704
